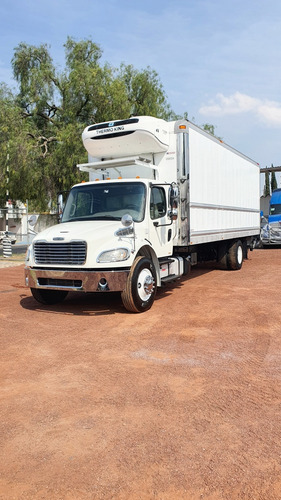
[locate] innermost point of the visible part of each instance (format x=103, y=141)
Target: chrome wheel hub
x=240, y=255
x=145, y=284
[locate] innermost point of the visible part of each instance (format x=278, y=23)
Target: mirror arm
x=156, y=224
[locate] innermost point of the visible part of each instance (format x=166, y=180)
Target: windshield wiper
x=105, y=217
x=89, y=218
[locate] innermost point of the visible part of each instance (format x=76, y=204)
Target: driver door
x=161, y=229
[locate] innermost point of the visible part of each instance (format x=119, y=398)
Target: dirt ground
x=181, y=402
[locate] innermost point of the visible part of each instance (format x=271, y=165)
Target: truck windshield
x=105, y=202
x=275, y=209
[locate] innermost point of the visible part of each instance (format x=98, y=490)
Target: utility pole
x=7, y=190
x=7, y=244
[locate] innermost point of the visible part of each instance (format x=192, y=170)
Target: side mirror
x=60, y=204
x=127, y=220
x=128, y=223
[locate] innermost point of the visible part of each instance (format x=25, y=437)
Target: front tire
x=235, y=256
x=48, y=296
x=140, y=289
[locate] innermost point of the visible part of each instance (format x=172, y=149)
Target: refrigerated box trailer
x=161, y=197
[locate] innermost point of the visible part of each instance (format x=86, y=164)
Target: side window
x=157, y=203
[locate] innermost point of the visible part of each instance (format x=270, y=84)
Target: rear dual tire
x=235, y=256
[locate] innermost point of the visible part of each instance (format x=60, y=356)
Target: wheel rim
x=145, y=285
x=239, y=254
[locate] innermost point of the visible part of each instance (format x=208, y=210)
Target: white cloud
x=271, y=113
x=267, y=111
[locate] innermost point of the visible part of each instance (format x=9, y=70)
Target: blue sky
x=220, y=60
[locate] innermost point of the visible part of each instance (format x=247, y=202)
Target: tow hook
x=103, y=285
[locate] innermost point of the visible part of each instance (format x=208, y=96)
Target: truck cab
x=275, y=206
x=118, y=230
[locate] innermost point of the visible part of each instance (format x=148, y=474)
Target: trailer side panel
x=224, y=191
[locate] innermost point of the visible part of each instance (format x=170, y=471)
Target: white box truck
x=161, y=197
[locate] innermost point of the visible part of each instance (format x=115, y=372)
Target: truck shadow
x=270, y=247
x=105, y=304
x=196, y=272
x=80, y=304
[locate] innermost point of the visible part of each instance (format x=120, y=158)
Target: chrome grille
x=73, y=253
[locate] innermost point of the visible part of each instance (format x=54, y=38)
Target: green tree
x=209, y=128
x=266, y=190
x=15, y=140
x=54, y=107
x=43, y=122
x=145, y=93
x=273, y=181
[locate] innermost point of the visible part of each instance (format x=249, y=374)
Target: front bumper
x=81, y=281
x=271, y=241
x=271, y=234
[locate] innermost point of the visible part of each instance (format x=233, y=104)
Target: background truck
x=161, y=197
x=271, y=229
x=275, y=206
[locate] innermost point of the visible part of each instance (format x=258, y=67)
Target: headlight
x=115, y=255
